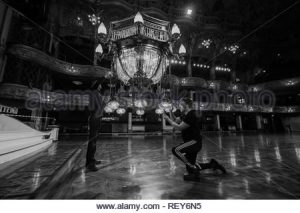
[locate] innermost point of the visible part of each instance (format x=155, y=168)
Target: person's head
x=185, y=104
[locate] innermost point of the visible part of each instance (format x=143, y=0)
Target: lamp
x=107, y=109
x=99, y=49
x=138, y=18
x=113, y=105
x=121, y=111
x=159, y=111
x=140, y=112
x=175, y=29
x=182, y=50
x=140, y=103
x=102, y=29
x=189, y=11
x=140, y=50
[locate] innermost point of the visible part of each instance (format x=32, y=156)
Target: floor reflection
x=259, y=167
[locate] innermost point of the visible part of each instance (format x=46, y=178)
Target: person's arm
x=181, y=126
x=174, y=118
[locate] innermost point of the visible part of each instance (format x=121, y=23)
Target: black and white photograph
x=105, y=100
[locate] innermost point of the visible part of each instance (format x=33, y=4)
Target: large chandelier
x=140, y=46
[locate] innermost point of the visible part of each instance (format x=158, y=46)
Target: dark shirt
x=193, y=131
x=96, y=104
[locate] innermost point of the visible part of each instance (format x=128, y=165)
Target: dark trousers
x=94, y=127
x=187, y=152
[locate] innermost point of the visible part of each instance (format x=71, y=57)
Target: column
x=217, y=122
x=189, y=66
x=239, y=124
x=258, y=122
x=192, y=95
x=5, y=21
x=163, y=121
x=233, y=70
x=212, y=71
x=37, y=121
x=129, y=122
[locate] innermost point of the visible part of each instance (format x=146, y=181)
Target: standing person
x=192, y=139
x=96, y=110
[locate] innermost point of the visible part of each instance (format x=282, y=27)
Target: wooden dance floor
x=143, y=167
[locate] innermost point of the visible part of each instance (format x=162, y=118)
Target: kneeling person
x=192, y=139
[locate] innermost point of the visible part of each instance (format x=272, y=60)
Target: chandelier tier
x=140, y=46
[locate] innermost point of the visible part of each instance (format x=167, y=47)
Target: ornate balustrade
x=39, y=57
x=81, y=99
x=31, y=54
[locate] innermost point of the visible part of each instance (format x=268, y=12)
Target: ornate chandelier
x=140, y=46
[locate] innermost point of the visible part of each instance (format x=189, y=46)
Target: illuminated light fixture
x=189, y=11
x=140, y=47
x=102, y=29
x=140, y=112
x=99, y=49
x=182, y=49
x=94, y=19
x=107, y=109
x=113, y=105
x=121, y=111
x=291, y=82
x=166, y=105
x=206, y=43
x=138, y=18
x=159, y=111
x=140, y=103
x=78, y=83
x=175, y=30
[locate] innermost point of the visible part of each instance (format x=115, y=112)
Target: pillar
x=36, y=115
x=217, y=122
x=5, y=21
x=163, y=120
x=233, y=70
x=258, y=122
x=189, y=66
x=239, y=124
x=129, y=122
x=212, y=72
x=192, y=95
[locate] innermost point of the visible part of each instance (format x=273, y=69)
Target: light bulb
x=99, y=49
x=159, y=111
x=182, y=49
x=102, y=29
x=121, y=111
x=175, y=29
x=138, y=18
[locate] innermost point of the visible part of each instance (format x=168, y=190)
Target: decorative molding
x=31, y=54
x=37, y=56
x=20, y=92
